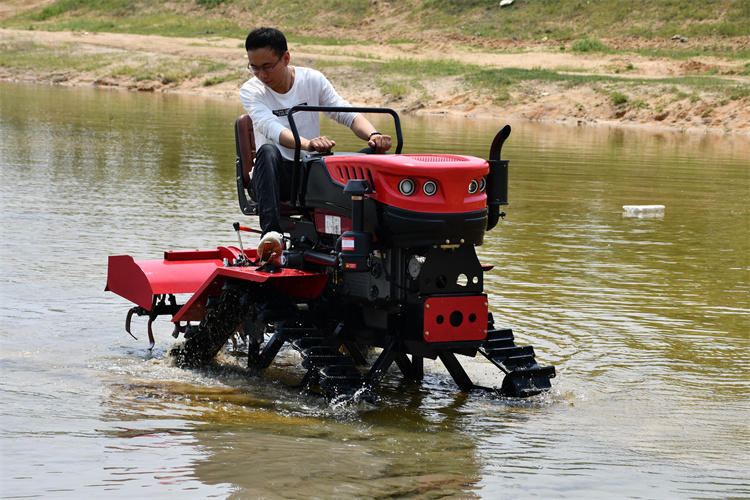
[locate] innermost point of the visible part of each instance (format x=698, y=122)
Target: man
x=267, y=97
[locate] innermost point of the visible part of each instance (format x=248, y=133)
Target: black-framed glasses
x=267, y=69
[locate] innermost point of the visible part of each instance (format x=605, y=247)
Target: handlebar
x=297, y=170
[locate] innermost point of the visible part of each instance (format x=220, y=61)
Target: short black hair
x=266, y=37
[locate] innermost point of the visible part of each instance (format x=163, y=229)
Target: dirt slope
x=648, y=105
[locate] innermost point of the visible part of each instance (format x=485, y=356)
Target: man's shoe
x=270, y=247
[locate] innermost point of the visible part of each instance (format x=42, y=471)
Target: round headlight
x=406, y=187
x=473, y=186
x=429, y=188
x=483, y=184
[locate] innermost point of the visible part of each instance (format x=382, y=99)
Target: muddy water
x=646, y=319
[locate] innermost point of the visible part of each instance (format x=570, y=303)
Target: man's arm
x=318, y=144
x=365, y=130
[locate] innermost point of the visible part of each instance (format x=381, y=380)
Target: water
x=646, y=319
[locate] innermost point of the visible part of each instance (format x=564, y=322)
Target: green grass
x=221, y=78
x=684, y=54
x=397, y=75
x=129, y=16
x=395, y=78
x=589, y=45
x=428, y=68
x=395, y=88
x=165, y=69
x=313, y=40
x=580, y=23
x=560, y=19
x=618, y=98
x=572, y=20
x=209, y=4
x=39, y=57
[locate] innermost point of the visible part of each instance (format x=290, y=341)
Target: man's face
x=268, y=67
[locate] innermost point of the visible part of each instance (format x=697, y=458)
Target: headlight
x=483, y=184
x=473, y=186
x=429, y=188
x=406, y=187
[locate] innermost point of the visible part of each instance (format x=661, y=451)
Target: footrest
x=524, y=377
x=341, y=379
x=310, y=342
x=510, y=358
x=522, y=383
x=323, y=360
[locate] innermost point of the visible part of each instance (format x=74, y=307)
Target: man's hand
x=320, y=145
x=381, y=143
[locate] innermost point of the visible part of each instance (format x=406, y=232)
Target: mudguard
x=201, y=273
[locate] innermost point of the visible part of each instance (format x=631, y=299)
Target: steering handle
x=297, y=170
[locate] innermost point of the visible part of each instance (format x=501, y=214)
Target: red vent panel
x=437, y=158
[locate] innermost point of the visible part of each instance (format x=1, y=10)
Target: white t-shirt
x=268, y=108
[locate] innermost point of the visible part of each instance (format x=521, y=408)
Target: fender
x=198, y=272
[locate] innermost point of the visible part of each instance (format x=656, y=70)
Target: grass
x=589, y=45
x=209, y=4
x=164, y=69
x=130, y=16
x=397, y=76
x=426, y=68
x=618, y=98
x=579, y=24
x=582, y=20
x=684, y=54
x=221, y=78
x=396, y=89
x=30, y=55
x=561, y=19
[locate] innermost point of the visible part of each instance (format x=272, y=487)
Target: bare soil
x=648, y=105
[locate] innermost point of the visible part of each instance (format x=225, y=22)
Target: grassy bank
x=64, y=59
x=398, y=20
x=418, y=54
x=398, y=78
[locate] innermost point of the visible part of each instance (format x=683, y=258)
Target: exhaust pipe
x=497, y=180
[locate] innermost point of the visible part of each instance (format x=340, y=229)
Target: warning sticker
x=333, y=224
x=347, y=244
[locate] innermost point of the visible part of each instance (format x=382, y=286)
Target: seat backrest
x=245, y=139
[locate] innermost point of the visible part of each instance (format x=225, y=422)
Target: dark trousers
x=272, y=183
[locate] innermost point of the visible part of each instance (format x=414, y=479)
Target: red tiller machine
x=379, y=258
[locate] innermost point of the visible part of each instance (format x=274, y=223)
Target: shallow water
x=646, y=319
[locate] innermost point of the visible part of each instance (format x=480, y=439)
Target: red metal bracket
x=455, y=318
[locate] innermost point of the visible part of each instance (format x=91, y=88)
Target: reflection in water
x=646, y=319
x=269, y=441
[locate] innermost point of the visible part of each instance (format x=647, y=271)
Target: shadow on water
x=647, y=320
